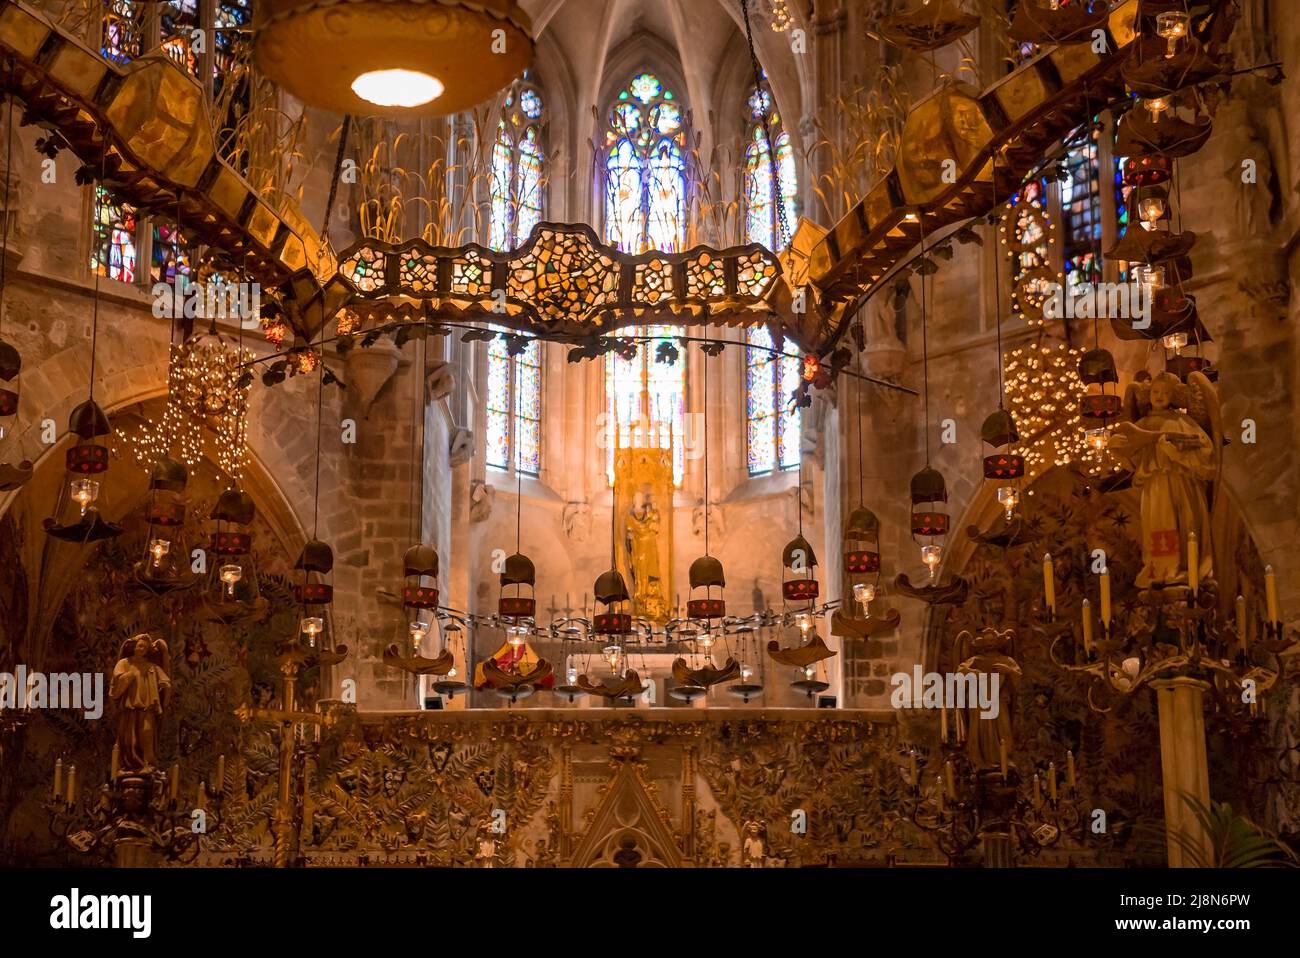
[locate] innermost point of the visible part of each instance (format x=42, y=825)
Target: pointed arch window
x=517, y=179
x=645, y=168
x=773, y=419
x=647, y=399
x=771, y=183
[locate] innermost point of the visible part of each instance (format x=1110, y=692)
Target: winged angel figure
x=1174, y=439
x=140, y=687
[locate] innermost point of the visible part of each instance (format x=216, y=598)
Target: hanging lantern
x=706, y=573
x=1003, y=467
x=929, y=494
x=862, y=557
x=1147, y=170
x=76, y=517
x=314, y=593
x=391, y=57
x=420, y=563
x=165, y=565
x=1098, y=373
x=798, y=582
x=232, y=593
x=747, y=687
x=1152, y=203
x=517, y=573
x=611, y=591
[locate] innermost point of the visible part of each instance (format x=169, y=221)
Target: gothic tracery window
x=645, y=168
x=113, y=255
x=517, y=180
x=771, y=184
x=514, y=408
x=772, y=439
x=1081, y=213
x=647, y=399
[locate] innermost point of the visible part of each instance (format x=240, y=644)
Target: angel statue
x=140, y=687
x=989, y=729
x=1175, y=456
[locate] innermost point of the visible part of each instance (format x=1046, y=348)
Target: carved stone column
x=1183, y=761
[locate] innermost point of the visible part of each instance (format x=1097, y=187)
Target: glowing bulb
x=706, y=641
x=1175, y=341
x=418, y=631
x=1157, y=105
x=451, y=672
x=84, y=492
x=932, y=555
x=516, y=635
x=1097, y=439
x=804, y=621
x=808, y=671
x=1151, y=209
x=571, y=674
x=1009, y=498
x=230, y=574
x=404, y=88
x=863, y=593
x=159, y=548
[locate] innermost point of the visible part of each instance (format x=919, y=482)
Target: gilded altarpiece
x=643, y=529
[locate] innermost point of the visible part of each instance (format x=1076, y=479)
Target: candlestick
x=1002, y=757
x=1087, y=626
x=1049, y=582
x=943, y=724
x=58, y=778
x=1051, y=781
x=115, y=763
x=939, y=785
x=1038, y=790
x=1105, y=598
x=1193, y=563
x=175, y=792
x=1270, y=594
x=1069, y=769
x=72, y=784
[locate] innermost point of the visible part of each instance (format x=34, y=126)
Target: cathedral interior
x=676, y=434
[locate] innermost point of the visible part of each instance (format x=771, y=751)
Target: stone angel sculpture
x=1174, y=439
x=140, y=686
x=990, y=719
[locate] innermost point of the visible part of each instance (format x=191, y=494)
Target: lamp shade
x=392, y=57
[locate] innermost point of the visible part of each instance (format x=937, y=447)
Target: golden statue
x=1175, y=457
x=986, y=732
x=140, y=687
x=641, y=540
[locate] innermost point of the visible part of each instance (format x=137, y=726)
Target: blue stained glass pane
x=645, y=87
x=758, y=189
x=667, y=197
x=528, y=188
x=770, y=381
x=624, y=216
x=502, y=159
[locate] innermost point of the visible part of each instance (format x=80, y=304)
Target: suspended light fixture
x=165, y=565
x=76, y=517
x=314, y=593
x=391, y=57
x=232, y=593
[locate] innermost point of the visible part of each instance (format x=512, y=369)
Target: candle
x=949, y=784
x=176, y=782
x=1002, y=757
x=1038, y=790
x=1270, y=593
x=58, y=778
x=115, y=763
x=1087, y=626
x=1241, y=622
x=220, y=783
x=1193, y=563
x=939, y=784
x=1105, y=599
x=1049, y=582
x=1051, y=781
x=1069, y=769
x=943, y=725
x=72, y=784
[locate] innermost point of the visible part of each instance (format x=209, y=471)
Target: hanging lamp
x=165, y=564
x=76, y=516
x=391, y=57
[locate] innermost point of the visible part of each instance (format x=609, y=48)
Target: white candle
x=115, y=763
x=58, y=778
x=1193, y=563
x=176, y=782
x=1049, y=582
x=1087, y=626
x=72, y=784
x=1051, y=781
x=1270, y=593
x=221, y=774
x=1241, y=622
x=1069, y=769
x=943, y=725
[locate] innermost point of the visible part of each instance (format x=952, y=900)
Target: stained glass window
x=647, y=399
x=518, y=170
x=773, y=419
x=180, y=18
x=768, y=181
x=514, y=407
x=170, y=257
x=121, y=33
x=232, y=19
x=645, y=168
x=1081, y=214
x=113, y=254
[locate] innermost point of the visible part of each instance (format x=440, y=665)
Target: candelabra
x=1175, y=631
x=996, y=809
x=134, y=817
